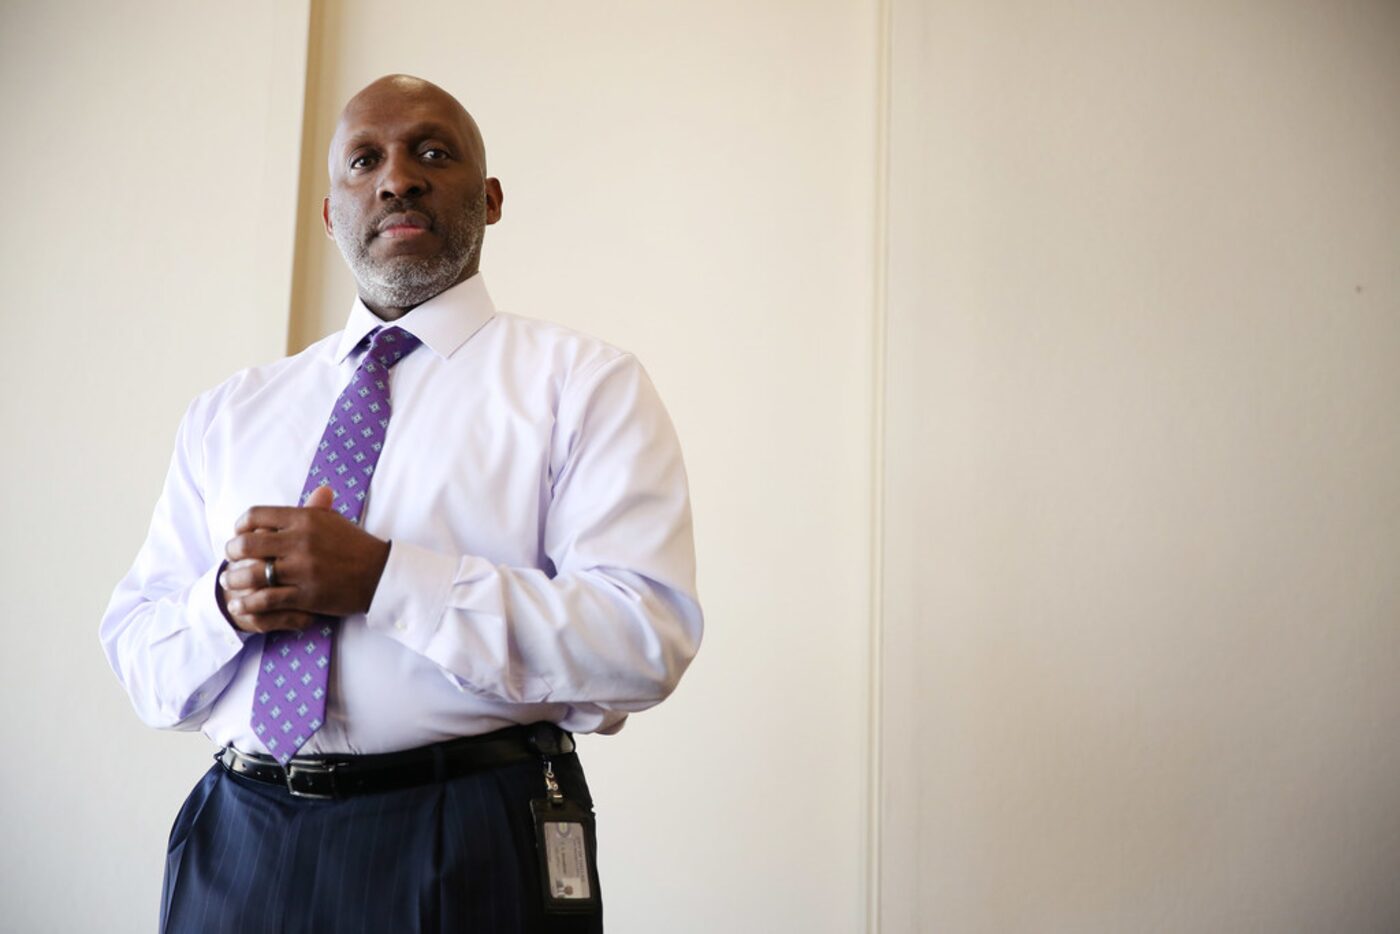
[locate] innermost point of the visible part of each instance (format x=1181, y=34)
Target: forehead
x=391, y=113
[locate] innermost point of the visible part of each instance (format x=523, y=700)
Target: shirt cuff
x=412, y=594
x=219, y=643
x=220, y=623
x=219, y=596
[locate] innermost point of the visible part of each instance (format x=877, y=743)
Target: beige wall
x=1103, y=395
x=1143, y=468
x=150, y=161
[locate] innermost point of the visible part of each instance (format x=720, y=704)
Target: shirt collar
x=443, y=323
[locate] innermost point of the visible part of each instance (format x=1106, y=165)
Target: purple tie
x=289, y=702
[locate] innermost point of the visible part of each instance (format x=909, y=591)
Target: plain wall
x=150, y=160
x=1142, y=473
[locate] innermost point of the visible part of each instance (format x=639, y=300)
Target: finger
x=294, y=620
x=256, y=545
x=266, y=517
x=321, y=498
x=266, y=600
x=248, y=574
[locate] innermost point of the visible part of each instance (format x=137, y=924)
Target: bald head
x=395, y=94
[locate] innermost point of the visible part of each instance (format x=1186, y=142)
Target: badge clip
x=564, y=839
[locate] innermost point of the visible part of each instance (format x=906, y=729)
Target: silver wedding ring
x=270, y=572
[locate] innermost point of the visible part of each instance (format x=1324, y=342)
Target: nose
x=401, y=177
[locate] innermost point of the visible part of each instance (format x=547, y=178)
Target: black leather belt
x=335, y=776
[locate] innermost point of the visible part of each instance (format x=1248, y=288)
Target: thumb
x=320, y=498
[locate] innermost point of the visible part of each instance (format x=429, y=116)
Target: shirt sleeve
x=164, y=634
x=614, y=623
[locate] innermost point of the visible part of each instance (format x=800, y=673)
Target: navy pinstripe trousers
x=453, y=856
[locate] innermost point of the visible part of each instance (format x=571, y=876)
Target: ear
x=326, y=217
x=495, y=198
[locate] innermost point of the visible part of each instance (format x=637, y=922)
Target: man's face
x=408, y=204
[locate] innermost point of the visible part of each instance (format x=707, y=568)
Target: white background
x=1037, y=369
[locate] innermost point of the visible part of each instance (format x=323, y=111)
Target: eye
x=436, y=154
x=361, y=160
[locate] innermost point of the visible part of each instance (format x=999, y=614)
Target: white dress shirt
x=541, y=566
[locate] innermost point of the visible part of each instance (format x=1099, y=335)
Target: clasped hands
x=324, y=564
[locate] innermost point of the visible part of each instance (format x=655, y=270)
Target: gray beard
x=405, y=281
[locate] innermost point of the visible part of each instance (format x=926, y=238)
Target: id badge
x=564, y=838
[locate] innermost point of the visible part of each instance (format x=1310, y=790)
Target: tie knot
x=390, y=345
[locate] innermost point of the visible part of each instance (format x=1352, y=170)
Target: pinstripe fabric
x=458, y=856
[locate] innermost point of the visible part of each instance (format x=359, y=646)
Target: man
x=392, y=670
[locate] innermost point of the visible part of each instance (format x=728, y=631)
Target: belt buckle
x=311, y=772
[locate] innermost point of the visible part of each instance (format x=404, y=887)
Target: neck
x=385, y=312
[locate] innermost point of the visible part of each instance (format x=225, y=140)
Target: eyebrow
x=418, y=131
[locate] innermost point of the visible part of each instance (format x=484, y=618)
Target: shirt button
x=400, y=626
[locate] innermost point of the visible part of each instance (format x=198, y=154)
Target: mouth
x=404, y=225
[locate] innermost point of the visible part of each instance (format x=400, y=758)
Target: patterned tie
x=289, y=702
